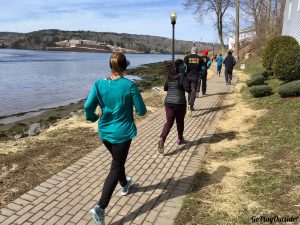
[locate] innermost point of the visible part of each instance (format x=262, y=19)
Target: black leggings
x=119, y=154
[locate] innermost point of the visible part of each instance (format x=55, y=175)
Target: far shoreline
x=61, y=49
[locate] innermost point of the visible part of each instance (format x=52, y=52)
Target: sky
x=147, y=17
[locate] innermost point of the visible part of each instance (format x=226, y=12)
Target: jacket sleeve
x=90, y=105
x=138, y=102
x=208, y=62
x=234, y=62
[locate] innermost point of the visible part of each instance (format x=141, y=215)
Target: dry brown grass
x=29, y=161
x=219, y=196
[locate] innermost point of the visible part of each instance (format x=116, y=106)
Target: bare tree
x=204, y=7
x=267, y=16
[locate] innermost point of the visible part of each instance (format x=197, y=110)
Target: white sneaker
x=97, y=215
x=125, y=190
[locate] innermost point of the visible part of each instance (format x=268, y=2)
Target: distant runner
x=219, y=64
x=229, y=63
x=206, y=63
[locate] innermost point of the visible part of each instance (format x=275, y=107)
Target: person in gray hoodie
x=175, y=102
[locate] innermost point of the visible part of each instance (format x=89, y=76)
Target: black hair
x=173, y=69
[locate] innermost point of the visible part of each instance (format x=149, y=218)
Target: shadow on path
x=209, y=110
x=171, y=190
x=217, y=137
x=219, y=93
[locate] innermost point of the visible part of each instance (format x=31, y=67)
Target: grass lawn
x=267, y=180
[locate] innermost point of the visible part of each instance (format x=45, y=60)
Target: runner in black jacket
x=193, y=63
x=229, y=63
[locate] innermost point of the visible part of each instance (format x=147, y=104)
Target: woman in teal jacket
x=116, y=97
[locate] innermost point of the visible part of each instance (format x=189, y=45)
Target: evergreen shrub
x=286, y=66
x=290, y=89
x=275, y=45
x=256, y=80
x=260, y=91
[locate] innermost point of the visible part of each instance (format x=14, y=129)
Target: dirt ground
x=29, y=161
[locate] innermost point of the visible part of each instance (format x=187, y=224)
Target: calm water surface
x=32, y=80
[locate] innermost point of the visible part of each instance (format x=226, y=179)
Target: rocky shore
x=33, y=123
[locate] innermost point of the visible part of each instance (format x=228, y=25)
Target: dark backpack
x=184, y=82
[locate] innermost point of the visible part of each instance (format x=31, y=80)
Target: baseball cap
x=205, y=52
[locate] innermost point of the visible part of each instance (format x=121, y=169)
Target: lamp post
x=173, y=17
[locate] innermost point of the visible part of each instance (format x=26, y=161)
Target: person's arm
x=234, y=62
x=91, y=104
x=138, y=102
x=186, y=61
x=183, y=68
x=208, y=62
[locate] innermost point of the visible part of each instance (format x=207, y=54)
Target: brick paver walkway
x=160, y=182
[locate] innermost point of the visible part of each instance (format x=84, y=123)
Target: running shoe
x=97, y=215
x=161, y=146
x=125, y=189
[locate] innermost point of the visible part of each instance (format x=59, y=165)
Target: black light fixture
x=173, y=17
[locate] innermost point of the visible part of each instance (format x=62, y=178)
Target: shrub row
x=261, y=90
x=290, y=89
x=256, y=80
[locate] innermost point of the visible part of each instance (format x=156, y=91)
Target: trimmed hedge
x=261, y=90
x=286, y=66
x=276, y=44
x=257, y=80
x=290, y=89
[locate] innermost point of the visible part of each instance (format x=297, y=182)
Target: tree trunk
x=268, y=19
x=237, y=27
x=220, y=30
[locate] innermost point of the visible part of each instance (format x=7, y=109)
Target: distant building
x=231, y=43
x=291, y=21
x=88, y=42
x=245, y=35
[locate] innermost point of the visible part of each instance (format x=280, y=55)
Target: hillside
x=48, y=38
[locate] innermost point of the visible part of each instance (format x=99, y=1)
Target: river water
x=33, y=80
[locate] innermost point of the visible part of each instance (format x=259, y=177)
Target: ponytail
x=118, y=62
x=115, y=65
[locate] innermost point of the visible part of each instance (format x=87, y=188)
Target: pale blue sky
x=149, y=17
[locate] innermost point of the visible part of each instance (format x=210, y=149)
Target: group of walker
x=195, y=68
x=117, y=96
